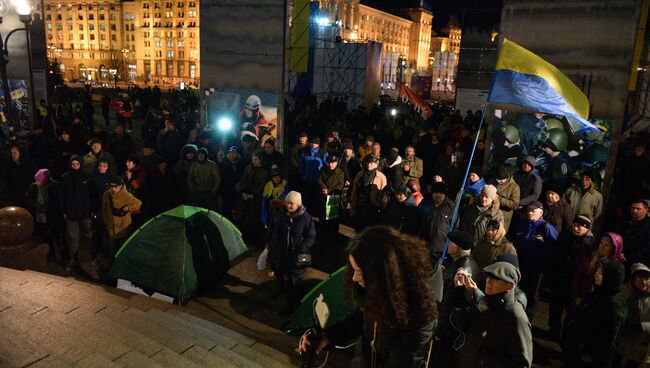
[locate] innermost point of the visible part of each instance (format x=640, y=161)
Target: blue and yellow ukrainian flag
x=526, y=80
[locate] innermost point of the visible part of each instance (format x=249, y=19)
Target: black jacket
x=454, y=297
x=569, y=250
x=530, y=187
x=404, y=216
x=435, y=223
x=498, y=334
x=76, y=194
x=293, y=235
x=636, y=239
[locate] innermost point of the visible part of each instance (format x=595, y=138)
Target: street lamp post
x=24, y=9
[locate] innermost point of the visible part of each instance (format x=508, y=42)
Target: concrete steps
x=53, y=321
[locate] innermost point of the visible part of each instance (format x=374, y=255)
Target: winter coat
x=91, y=161
x=294, y=234
x=636, y=238
x=169, y=144
x=474, y=220
x=435, y=223
x=589, y=203
x=404, y=216
x=498, y=334
x=19, y=177
x=136, y=184
x=635, y=336
x=486, y=252
x=534, y=241
x=311, y=163
x=272, y=192
x=364, y=151
x=509, y=196
x=595, y=328
x=559, y=214
x=121, y=147
x=530, y=187
x=231, y=173
x=583, y=277
x=117, y=221
x=352, y=167
x=76, y=194
x=204, y=177
x=378, y=185
x=252, y=182
x=569, y=251
x=416, y=167
x=453, y=296
x=100, y=185
x=332, y=180
x=397, y=348
x=50, y=208
x=474, y=189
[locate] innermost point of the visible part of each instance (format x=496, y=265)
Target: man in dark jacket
x=203, y=180
x=331, y=182
x=530, y=184
x=76, y=200
x=557, y=212
x=534, y=239
x=498, y=333
x=573, y=245
x=231, y=170
x=121, y=146
x=402, y=212
x=636, y=235
x=169, y=142
x=436, y=213
x=291, y=239
x=182, y=169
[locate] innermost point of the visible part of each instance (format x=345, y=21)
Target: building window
x=181, y=43
x=170, y=43
x=102, y=37
x=102, y=27
x=81, y=27
x=191, y=13
x=91, y=16
x=158, y=43
x=81, y=37
x=181, y=70
x=70, y=36
x=69, y=27
x=181, y=54
x=170, y=54
x=113, y=37
x=91, y=26
x=102, y=17
x=113, y=28
x=159, y=54
x=169, y=14
x=145, y=5
x=147, y=53
x=192, y=4
x=80, y=16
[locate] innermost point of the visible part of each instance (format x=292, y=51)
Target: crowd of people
x=470, y=289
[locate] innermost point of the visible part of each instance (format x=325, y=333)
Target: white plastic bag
x=261, y=260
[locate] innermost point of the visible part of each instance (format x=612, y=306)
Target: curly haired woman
x=387, y=276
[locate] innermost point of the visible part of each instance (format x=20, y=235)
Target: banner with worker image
x=244, y=112
x=558, y=150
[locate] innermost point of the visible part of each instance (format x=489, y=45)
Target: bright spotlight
x=224, y=124
x=322, y=21
x=393, y=112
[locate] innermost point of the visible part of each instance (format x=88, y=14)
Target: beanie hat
x=504, y=271
x=332, y=158
x=42, y=175
x=203, y=150
x=503, y=173
x=639, y=267
x=276, y=172
x=510, y=258
x=294, y=197
x=490, y=191
x=583, y=221
x=554, y=188
x=315, y=140
x=77, y=158
x=403, y=189
x=348, y=146
x=234, y=149
x=462, y=239
x=438, y=188
x=114, y=179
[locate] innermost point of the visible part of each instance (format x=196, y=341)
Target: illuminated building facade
x=443, y=60
x=140, y=41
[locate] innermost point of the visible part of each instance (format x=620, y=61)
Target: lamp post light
x=24, y=10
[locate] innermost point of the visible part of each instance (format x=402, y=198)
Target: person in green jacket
x=584, y=198
x=203, y=181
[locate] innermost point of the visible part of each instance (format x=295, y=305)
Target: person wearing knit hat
x=634, y=338
x=530, y=184
x=117, y=206
x=557, y=211
x=475, y=218
x=490, y=191
x=42, y=175
x=97, y=152
x=436, y=211
x=509, y=195
x=289, y=246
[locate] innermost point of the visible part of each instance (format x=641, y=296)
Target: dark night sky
x=483, y=14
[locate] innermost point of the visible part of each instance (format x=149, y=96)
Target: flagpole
x=462, y=187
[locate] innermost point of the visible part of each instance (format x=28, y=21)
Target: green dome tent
x=179, y=252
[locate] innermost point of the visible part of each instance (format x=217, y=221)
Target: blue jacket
x=474, y=189
x=311, y=163
x=534, y=241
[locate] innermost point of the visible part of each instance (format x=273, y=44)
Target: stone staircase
x=52, y=321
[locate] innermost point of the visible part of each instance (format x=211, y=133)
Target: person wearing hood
x=497, y=330
x=635, y=336
x=534, y=239
x=610, y=246
x=250, y=189
x=402, y=212
x=367, y=187
x=43, y=204
x=558, y=212
x=530, y=184
x=231, y=170
x=203, y=180
x=592, y=334
x=509, y=195
x=117, y=206
x=460, y=249
x=20, y=174
x=393, y=170
x=573, y=246
x=584, y=198
x=475, y=218
x=474, y=185
x=436, y=211
x=413, y=166
x=311, y=162
x=331, y=181
x=182, y=168
x=96, y=153
x=290, y=245
x=76, y=199
x=490, y=247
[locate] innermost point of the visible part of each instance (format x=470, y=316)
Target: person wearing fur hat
x=290, y=241
x=76, y=201
x=584, y=198
x=509, y=195
x=497, y=331
x=117, y=207
x=475, y=218
x=534, y=239
x=203, y=180
x=592, y=332
x=635, y=336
